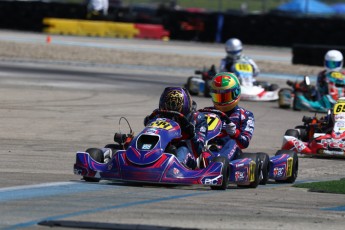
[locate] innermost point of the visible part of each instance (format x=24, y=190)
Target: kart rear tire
x=284, y=100
x=207, y=89
x=294, y=174
x=256, y=158
x=189, y=82
x=265, y=164
x=98, y=156
x=114, y=147
x=273, y=87
x=225, y=173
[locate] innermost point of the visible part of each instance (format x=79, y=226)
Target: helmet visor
x=233, y=53
x=222, y=96
x=333, y=64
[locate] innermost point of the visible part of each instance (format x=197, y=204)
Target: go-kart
x=201, y=85
x=251, y=89
x=149, y=158
x=323, y=136
x=304, y=96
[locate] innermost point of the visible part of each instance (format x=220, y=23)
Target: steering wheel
x=221, y=114
x=186, y=126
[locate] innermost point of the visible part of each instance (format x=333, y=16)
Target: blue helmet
x=176, y=99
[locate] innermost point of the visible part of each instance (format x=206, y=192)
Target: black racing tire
x=114, y=147
x=225, y=173
x=98, y=156
x=265, y=170
x=207, y=89
x=294, y=173
x=189, y=80
x=303, y=134
x=256, y=158
x=292, y=132
x=294, y=104
x=273, y=87
x=284, y=100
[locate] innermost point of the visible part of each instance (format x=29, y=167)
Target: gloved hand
x=230, y=128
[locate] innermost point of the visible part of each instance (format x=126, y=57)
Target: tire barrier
x=104, y=29
x=271, y=29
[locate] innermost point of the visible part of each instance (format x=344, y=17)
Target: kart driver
x=178, y=99
x=233, y=48
x=226, y=93
x=333, y=61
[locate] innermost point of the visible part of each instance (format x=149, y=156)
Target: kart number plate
x=337, y=75
x=212, y=122
x=339, y=108
x=244, y=67
x=161, y=125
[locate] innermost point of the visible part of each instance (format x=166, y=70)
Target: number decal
x=337, y=75
x=339, y=108
x=244, y=67
x=161, y=124
x=212, y=122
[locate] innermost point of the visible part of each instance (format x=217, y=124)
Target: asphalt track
x=49, y=111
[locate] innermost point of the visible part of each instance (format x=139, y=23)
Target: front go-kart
x=251, y=89
x=324, y=137
x=148, y=158
x=252, y=169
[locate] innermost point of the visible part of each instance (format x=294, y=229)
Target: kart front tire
x=225, y=173
x=303, y=134
x=256, y=158
x=292, y=132
x=294, y=173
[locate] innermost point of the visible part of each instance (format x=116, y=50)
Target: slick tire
x=255, y=157
x=188, y=85
x=97, y=155
x=265, y=164
x=225, y=173
x=292, y=132
x=294, y=173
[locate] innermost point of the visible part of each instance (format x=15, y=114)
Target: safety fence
x=269, y=29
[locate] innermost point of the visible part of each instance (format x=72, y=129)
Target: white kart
x=251, y=90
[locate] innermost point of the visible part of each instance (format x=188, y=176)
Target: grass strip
x=333, y=186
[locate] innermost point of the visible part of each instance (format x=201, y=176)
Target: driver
x=333, y=61
x=233, y=48
x=226, y=93
x=178, y=99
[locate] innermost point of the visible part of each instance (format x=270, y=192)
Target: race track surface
x=50, y=111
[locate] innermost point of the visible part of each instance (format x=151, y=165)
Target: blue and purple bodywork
x=145, y=161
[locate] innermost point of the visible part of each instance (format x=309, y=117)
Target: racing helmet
x=225, y=91
x=176, y=99
x=333, y=60
x=233, y=48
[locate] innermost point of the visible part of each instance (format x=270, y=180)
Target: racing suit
x=227, y=63
x=322, y=84
x=228, y=146
x=189, y=148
